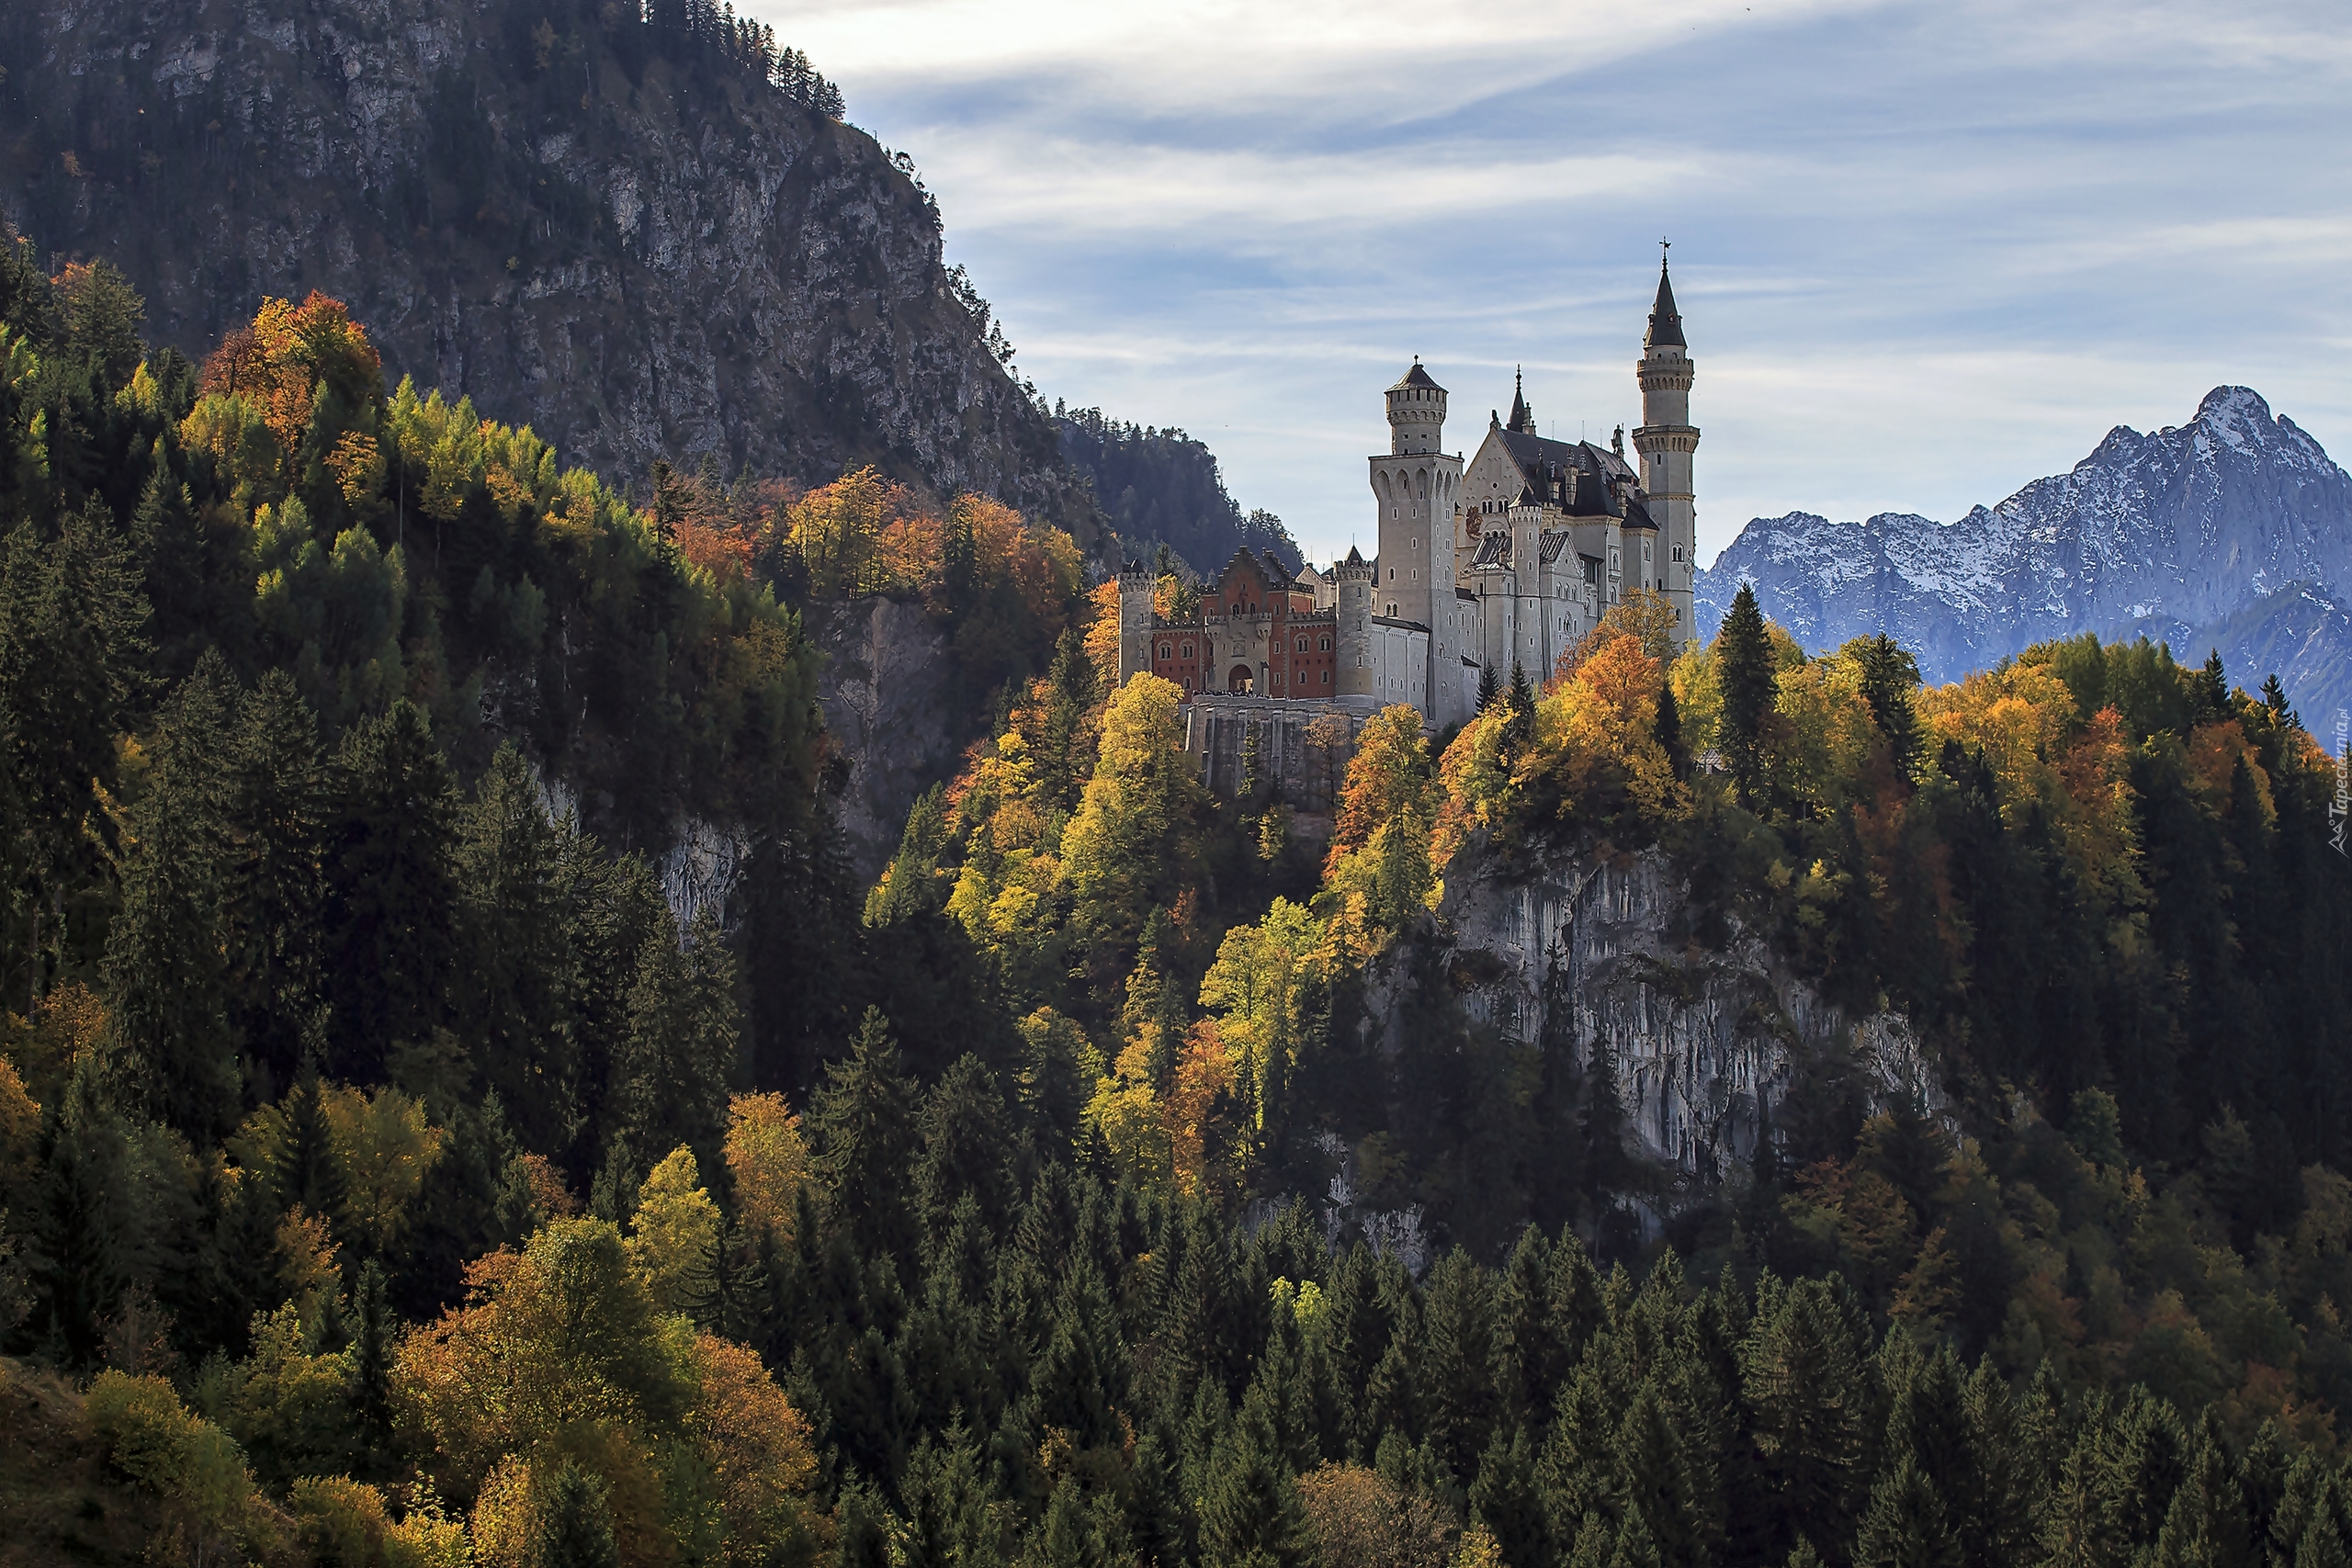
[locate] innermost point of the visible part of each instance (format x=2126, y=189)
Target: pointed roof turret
x=1522, y=418
x=1665, y=321
x=1416, y=377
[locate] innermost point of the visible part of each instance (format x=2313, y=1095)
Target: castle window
x=1678, y=552
x=1327, y=677
x=1325, y=645
x=1188, y=651
x=1166, y=652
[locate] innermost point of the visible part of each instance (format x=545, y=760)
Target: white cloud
x=1926, y=252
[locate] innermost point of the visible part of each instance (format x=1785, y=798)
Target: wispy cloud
x=1926, y=252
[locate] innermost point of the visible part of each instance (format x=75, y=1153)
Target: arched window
x=1325, y=644
x=1327, y=677
x=1166, y=652
x=1188, y=651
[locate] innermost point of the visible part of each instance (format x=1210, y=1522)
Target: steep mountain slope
x=617, y=230
x=2234, y=528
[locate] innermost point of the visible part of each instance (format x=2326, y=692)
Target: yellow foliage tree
x=767, y=1161
x=674, y=1236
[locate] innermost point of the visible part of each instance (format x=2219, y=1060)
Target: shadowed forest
x=409, y=1158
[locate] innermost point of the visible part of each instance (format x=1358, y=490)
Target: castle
x=1503, y=562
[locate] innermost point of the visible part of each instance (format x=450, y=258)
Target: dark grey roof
x=1494, y=549
x=1665, y=321
x=1399, y=621
x=1553, y=542
x=1572, y=475
x=1465, y=593
x=1416, y=377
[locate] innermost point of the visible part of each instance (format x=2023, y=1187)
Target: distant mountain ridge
x=2232, y=531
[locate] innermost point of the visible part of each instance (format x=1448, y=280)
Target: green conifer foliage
x=573, y=1529
x=1749, y=681
x=864, y=1128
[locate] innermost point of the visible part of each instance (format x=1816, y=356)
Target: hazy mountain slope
x=2204, y=532
x=603, y=227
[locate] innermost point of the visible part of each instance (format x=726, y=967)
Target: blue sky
x=1926, y=253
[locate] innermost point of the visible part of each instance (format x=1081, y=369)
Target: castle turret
x=1522, y=417
x=1136, y=587
x=1352, y=609
x=1665, y=441
x=1417, y=488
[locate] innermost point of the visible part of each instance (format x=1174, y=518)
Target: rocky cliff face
x=609, y=232
x=1584, y=946
x=2202, y=532
x=886, y=686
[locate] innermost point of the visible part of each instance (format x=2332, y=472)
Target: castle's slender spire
x=1665, y=321
x=1522, y=418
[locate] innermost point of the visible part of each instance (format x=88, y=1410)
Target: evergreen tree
x=1250, y=1514
x=863, y=1128
x=1889, y=677
x=390, y=942
x=573, y=1530
x=171, y=1049
x=1667, y=727
x=1488, y=688
x=1746, y=671
x=372, y=1349
x=274, y=887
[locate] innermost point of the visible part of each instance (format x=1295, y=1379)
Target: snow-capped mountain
x=2231, y=531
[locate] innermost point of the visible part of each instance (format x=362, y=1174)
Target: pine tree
x=1489, y=689
x=863, y=1128
x=574, y=1528
x=1667, y=729
x=1808, y=1387
x=963, y=1125
x=372, y=1350
x=2211, y=689
x=390, y=944
x=275, y=887
x=1889, y=677
x=170, y=1043
x=1744, y=669
x=1250, y=1514
x=1907, y=1525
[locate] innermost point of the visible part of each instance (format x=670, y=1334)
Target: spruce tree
x=1489, y=689
x=1667, y=729
x=274, y=883
x=862, y=1129
x=170, y=1045
x=1749, y=681
x=389, y=939
x=573, y=1530
x=1889, y=677
x=1251, y=1513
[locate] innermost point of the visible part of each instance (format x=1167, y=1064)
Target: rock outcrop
x=612, y=233
x=888, y=686
x=1582, y=948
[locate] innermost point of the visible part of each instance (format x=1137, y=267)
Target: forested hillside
x=397, y=1172
x=1162, y=487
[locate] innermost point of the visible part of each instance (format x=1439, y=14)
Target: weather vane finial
x=1663, y=246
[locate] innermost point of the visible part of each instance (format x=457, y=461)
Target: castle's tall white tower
x=1665, y=441
x=1418, y=485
